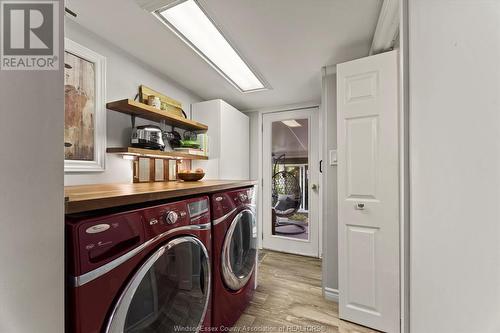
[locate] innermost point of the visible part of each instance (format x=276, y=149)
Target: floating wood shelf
x=145, y=111
x=168, y=155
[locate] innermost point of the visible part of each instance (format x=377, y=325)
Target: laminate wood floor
x=289, y=298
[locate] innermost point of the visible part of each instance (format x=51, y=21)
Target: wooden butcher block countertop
x=83, y=198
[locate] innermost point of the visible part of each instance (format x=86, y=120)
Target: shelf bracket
x=132, y=120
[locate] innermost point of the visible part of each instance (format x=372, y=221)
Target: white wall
x=32, y=200
x=228, y=140
x=330, y=221
x=455, y=166
x=235, y=143
x=124, y=75
x=256, y=163
x=254, y=144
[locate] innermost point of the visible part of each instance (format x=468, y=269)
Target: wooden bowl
x=191, y=176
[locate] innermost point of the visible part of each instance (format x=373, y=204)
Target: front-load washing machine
x=143, y=270
x=234, y=232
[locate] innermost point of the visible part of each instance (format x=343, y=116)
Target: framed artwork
x=84, y=109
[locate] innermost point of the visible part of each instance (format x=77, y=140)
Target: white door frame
x=308, y=247
x=258, y=130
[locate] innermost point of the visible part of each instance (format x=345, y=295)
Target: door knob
x=314, y=187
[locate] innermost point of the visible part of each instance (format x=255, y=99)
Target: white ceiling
x=287, y=41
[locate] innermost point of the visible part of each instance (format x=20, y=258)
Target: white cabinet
x=228, y=139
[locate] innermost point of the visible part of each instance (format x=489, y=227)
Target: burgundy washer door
x=169, y=292
x=239, y=252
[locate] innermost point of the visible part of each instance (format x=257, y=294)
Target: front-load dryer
x=146, y=270
x=234, y=232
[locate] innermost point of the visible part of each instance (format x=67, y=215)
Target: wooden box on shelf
x=169, y=105
x=147, y=170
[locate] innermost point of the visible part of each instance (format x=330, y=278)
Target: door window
x=240, y=250
x=169, y=292
x=290, y=179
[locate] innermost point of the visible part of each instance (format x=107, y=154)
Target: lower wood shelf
x=168, y=155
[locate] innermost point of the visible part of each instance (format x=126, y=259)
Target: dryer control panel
x=223, y=203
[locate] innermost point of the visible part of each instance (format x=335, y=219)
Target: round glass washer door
x=239, y=252
x=169, y=293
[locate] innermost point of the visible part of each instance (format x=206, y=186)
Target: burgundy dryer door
x=239, y=252
x=169, y=293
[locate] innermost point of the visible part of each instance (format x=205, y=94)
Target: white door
x=368, y=185
x=290, y=182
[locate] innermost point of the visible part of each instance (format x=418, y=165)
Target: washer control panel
x=94, y=241
x=161, y=218
x=171, y=217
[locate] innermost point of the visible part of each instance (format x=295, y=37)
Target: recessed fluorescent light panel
x=291, y=123
x=195, y=28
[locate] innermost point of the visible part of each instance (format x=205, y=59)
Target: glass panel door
x=290, y=187
x=170, y=292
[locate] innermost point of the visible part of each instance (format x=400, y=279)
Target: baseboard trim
x=331, y=294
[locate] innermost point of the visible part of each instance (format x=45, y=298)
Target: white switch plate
x=333, y=157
